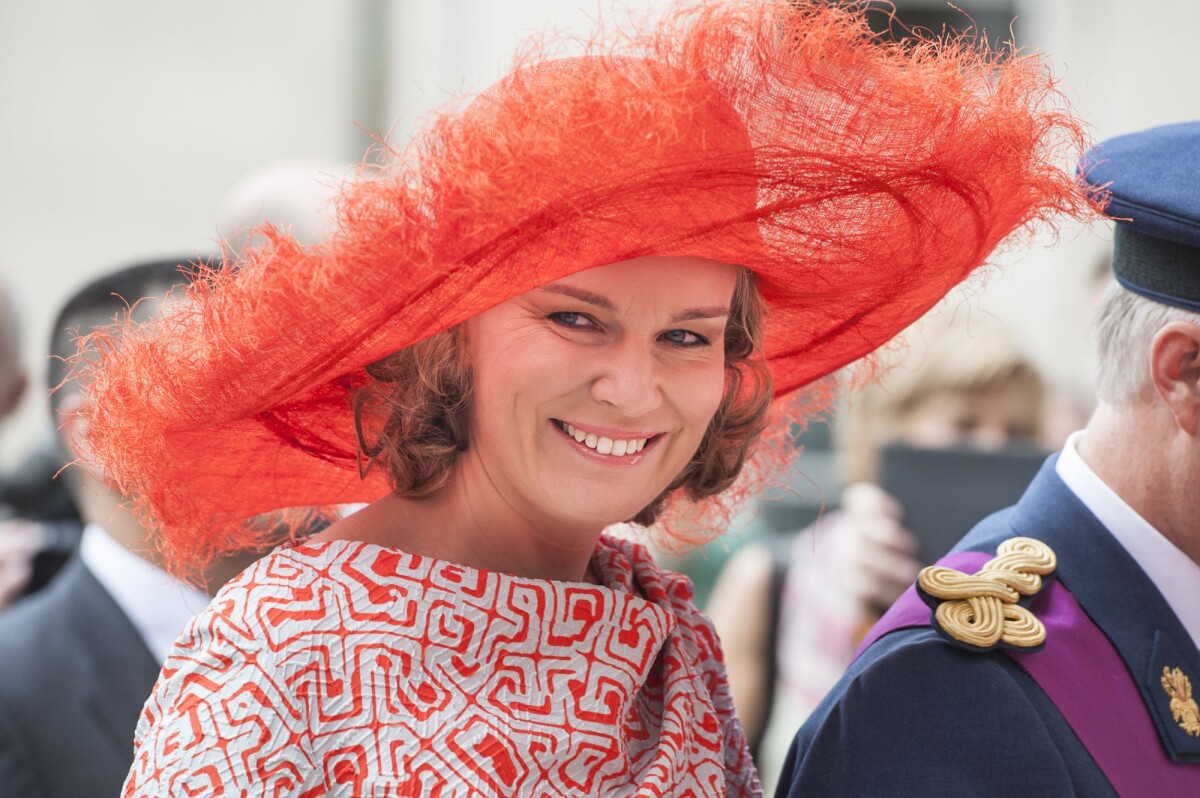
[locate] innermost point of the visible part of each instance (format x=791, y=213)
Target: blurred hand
x=874, y=554
x=19, y=541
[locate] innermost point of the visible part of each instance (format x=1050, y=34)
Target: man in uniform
x=1062, y=662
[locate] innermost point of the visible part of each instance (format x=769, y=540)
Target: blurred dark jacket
x=32, y=491
x=74, y=674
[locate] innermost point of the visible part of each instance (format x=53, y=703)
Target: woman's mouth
x=605, y=445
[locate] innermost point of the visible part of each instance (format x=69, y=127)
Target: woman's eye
x=575, y=321
x=684, y=338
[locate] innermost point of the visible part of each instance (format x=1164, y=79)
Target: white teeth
x=609, y=446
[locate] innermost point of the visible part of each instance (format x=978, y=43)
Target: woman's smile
x=609, y=447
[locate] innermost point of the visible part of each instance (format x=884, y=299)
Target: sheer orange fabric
x=860, y=181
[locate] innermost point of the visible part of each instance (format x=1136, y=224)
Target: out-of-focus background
x=124, y=124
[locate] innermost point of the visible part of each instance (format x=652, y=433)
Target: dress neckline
x=609, y=563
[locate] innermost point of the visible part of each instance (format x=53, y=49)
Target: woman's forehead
x=676, y=279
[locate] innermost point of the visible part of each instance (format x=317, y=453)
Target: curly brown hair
x=412, y=414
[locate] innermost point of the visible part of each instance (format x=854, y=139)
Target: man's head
x=1153, y=308
x=1144, y=438
x=137, y=290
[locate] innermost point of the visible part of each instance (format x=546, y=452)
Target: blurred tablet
x=945, y=492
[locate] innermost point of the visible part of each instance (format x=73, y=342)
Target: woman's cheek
x=703, y=394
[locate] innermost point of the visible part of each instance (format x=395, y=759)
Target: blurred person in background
x=294, y=196
x=816, y=593
x=78, y=659
x=19, y=538
x=13, y=379
x=1068, y=407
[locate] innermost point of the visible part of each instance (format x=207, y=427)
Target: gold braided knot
x=982, y=609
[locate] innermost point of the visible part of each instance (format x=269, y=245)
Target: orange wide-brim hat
x=860, y=181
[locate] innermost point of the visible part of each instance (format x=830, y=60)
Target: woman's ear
x=1175, y=372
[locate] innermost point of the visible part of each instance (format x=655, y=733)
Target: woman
x=640, y=248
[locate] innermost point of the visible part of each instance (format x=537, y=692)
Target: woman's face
x=592, y=393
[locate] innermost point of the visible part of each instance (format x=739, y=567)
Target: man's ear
x=11, y=397
x=1175, y=371
x=72, y=424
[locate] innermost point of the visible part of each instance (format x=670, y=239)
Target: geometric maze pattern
x=347, y=669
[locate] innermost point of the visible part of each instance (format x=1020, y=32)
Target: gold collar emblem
x=981, y=609
x=1183, y=708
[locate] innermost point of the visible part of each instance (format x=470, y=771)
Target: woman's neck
x=474, y=527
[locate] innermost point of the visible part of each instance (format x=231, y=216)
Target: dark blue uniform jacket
x=918, y=716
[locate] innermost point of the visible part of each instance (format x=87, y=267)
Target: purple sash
x=1085, y=677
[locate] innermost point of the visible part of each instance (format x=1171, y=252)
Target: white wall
x=451, y=49
x=124, y=122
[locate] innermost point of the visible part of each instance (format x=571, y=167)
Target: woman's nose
x=628, y=379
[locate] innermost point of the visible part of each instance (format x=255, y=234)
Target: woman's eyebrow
x=691, y=314
x=583, y=296
x=711, y=312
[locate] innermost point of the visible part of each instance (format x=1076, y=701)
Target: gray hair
x=1123, y=330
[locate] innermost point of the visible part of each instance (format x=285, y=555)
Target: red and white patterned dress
x=348, y=669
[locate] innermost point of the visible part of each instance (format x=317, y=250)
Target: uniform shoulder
x=989, y=533
x=20, y=624
x=917, y=649
x=895, y=720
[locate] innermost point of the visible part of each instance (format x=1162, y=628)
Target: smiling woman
x=586, y=298
x=644, y=366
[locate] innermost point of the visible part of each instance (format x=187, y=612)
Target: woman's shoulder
x=300, y=586
x=286, y=572
x=299, y=566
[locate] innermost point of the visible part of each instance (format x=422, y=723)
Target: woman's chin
x=602, y=516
